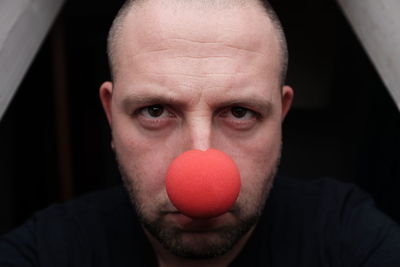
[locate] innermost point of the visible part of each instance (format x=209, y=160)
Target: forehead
x=154, y=25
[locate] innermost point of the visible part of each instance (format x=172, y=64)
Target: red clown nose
x=203, y=184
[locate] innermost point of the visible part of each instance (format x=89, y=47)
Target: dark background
x=54, y=137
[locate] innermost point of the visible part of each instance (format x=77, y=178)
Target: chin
x=199, y=239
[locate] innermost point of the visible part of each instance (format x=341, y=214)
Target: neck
x=167, y=259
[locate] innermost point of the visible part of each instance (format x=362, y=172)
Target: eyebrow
x=134, y=100
x=264, y=106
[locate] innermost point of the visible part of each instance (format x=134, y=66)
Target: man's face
x=196, y=78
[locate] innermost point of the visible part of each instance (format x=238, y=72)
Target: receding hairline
x=128, y=5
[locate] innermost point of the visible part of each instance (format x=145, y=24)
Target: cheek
x=259, y=163
x=257, y=170
x=254, y=154
x=145, y=161
x=257, y=159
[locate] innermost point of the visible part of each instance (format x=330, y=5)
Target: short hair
x=117, y=24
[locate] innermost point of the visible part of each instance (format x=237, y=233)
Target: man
x=201, y=74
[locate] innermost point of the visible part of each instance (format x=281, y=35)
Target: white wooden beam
x=377, y=24
x=23, y=26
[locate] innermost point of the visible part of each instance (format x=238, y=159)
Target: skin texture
x=192, y=77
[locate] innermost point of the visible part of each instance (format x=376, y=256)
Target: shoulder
x=312, y=202
x=321, y=187
x=335, y=222
x=96, y=203
x=321, y=195
x=325, y=206
x=86, y=212
x=76, y=231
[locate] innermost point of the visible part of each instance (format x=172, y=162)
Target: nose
x=199, y=132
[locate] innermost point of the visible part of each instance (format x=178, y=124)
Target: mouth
x=188, y=224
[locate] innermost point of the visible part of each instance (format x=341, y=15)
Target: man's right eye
x=154, y=111
x=154, y=117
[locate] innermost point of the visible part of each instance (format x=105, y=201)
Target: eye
x=240, y=112
x=155, y=111
x=155, y=117
x=239, y=118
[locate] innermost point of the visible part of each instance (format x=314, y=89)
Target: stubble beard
x=204, y=245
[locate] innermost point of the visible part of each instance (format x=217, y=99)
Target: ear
x=105, y=93
x=287, y=98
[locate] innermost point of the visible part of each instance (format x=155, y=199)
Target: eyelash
x=240, y=123
x=247, y=110
x=223, y=112
x=141, y=110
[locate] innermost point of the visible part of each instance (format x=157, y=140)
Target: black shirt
x=319, y=223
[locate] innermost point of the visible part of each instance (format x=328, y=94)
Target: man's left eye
x=242, y=113
x=239, y=112
x=239, y=118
